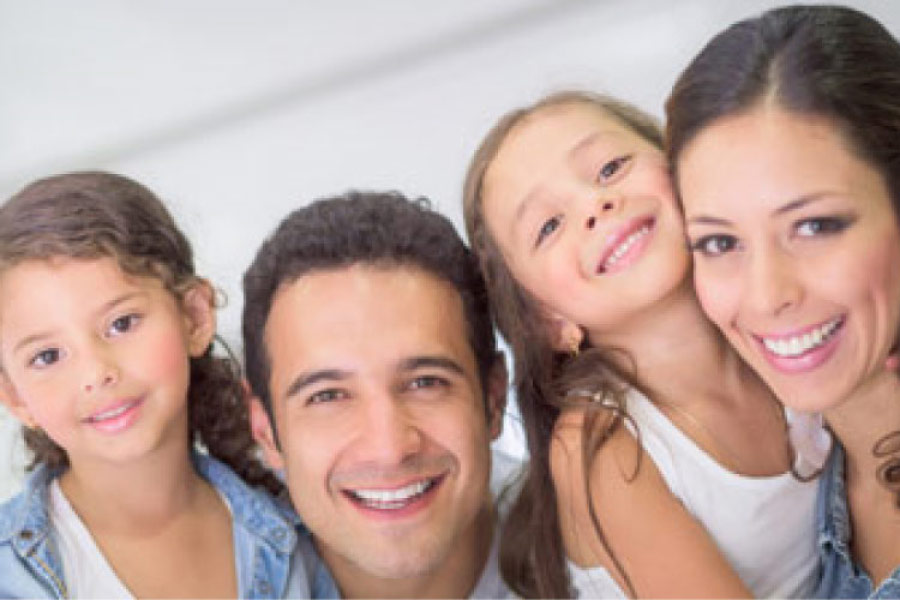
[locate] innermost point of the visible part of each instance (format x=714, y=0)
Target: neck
x=453, y=577
x=670, y=334
x=135, y=497
x=872, y=412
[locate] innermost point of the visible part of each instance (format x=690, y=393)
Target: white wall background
x=237, y=112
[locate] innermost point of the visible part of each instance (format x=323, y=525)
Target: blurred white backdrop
x=235, y=113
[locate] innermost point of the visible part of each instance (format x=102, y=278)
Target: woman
x=784, y=133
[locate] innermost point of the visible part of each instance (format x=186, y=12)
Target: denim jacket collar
x=258, y=513
x=263, y=530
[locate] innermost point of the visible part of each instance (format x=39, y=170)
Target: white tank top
x=764, y=526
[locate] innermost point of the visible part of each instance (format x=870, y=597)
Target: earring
x=574, y=348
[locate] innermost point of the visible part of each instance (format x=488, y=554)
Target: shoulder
x=252, y=508
x=28, y=508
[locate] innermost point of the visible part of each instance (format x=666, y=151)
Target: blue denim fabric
x=841, y=576
x=263, y=532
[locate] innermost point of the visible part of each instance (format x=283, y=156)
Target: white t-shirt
x=87, y=572
x=764, y=526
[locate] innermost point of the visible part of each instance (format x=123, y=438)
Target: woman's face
x=796, y=252
x=583, y=211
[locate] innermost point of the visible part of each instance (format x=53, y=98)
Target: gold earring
x=574, y=348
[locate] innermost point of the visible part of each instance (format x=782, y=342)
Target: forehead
x=60, y=291
x=552, y=131
x=364, y=318
x=764, y=158
x=63, y=279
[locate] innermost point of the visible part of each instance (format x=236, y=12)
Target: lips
x=624, y=245
x=802, y=342
x=115, y=417
x=803, y=349
x=396, y=499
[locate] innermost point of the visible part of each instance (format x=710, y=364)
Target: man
x=378, y=388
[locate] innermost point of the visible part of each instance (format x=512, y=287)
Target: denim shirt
x=263, y=533
x=841, y=576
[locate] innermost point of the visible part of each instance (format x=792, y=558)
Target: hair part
x=532, y=556
x=383, y=229
x=94, y=215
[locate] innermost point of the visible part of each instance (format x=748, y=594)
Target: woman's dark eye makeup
x=714, y=245
x=818, y=226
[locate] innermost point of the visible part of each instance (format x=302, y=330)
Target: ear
x=495, y=395
x=10, y=399
x=264, y=434
x=198, y=304
x=565, y=335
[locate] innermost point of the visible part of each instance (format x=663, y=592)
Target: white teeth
x=801, y=344
x=392, y=499
x=111, y=414
x=625, y=246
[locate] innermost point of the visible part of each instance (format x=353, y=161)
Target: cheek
x=163, y=357
x=309, y=452
x=869, y=281
x=464, y=435
x=717, y=295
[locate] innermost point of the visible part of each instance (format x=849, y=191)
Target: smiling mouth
x=798, y=345
x=112, y=413
x=621, y=249
x=396, y=498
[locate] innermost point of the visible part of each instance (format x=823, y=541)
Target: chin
x=403, y=565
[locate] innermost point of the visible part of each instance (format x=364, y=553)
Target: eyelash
x=129, y=321
x=548, y=227
x=616, y=164
x=326, y=396
x=702, y=245
x=431, y=380
x=825, y=226
x=40, y=360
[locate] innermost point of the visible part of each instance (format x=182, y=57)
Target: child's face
x=98, y=359
x=584, y=214
x=797, y=250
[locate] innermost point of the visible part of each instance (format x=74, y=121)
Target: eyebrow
x=801, y=202
x=105, y=307
x=791, y=206
x=308, y=378
x=585, y=142
x=530, y=198
x=439, y=362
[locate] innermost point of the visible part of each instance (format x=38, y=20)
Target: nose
x=604, y=205
x=774, y=285
x=390, y=433
x=99, y=369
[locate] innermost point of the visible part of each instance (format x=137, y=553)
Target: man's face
x=380, y=418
